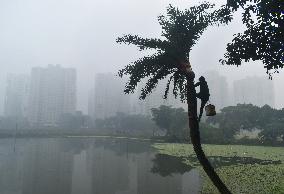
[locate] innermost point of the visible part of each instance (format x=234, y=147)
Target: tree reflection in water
x=166, y=165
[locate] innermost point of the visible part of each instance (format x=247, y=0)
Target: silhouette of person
x=203, y=94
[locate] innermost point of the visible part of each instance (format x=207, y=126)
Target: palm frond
x=153, y=81
x=179, y=88
x=144, y=43
x=181, y=30
x=145, y=67
x=168, y=87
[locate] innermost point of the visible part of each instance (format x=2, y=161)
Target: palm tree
x=180, y=32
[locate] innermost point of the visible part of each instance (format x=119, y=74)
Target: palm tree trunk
x=195, y=138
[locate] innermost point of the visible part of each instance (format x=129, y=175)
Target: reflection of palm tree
x=166, y=165
x=181, y=30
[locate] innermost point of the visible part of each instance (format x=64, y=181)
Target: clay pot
x=210, y=110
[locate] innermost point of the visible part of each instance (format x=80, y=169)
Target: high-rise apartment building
x=16, y=98
x=52, y=93
x=108, y=98
x=218, y=88
x=91, y=103
x=255, y=90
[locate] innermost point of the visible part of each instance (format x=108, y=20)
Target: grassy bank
x=245, y=169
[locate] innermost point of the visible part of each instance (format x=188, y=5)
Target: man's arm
x=197, y=84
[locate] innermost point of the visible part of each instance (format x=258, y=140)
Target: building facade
x=107, y=98
x=52, y=93
x=17, y=93
x=218, y=87
x=255, y=90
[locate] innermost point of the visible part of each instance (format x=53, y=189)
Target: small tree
x=162, y=116
x=172, y=120
x=180, y=31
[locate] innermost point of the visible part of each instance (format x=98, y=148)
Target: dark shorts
x=202, y=97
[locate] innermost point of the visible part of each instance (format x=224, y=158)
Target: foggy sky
x=82, y=33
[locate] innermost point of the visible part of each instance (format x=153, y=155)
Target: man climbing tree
x=203, y=94
x=180, y=31
x=263, y=40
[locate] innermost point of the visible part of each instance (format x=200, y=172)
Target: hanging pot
x=210, y=110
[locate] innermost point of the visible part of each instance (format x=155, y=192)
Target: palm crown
x=180, y=32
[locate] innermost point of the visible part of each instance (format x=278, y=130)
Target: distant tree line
x=232, y=119
x=65, y=121
x=123, y=123
x=170, y=124
x=173, y=121
x=224, y=127
x=74, y=121
x=11, y=123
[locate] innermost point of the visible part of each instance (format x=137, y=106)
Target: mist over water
x=89, y=166
x=81, y=34
x=66, y=126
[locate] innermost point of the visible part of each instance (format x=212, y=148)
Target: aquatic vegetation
x=244, y=169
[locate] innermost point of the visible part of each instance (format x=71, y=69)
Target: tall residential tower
x=52, y=93
x=107, y=97
x=218, y=87
x=255, y=90
x=17, y=92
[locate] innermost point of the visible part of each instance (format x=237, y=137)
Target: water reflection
x=167, y=165
x=90, y=166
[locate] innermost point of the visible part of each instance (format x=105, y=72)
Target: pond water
x=91, y=166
